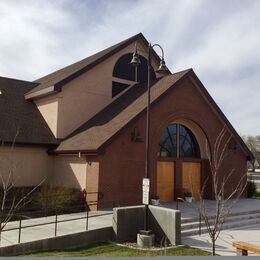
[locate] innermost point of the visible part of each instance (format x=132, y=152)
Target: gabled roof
x=54, y=81
x=99, y=130
x=20, y=117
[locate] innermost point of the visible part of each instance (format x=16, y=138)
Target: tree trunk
x=213, y=246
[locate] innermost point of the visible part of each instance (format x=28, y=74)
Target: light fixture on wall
x=232, y=145
x=136, y=136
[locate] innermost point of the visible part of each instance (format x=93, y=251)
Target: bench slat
x=246, y=246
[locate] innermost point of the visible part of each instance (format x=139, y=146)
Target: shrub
x=251, y=189
x=62, y=199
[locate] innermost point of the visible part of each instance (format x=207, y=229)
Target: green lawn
x=257, y=192
x=110, y=249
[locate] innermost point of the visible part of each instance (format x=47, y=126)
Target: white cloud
x=219, y=39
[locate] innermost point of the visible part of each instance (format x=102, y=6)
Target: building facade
x=84, y=127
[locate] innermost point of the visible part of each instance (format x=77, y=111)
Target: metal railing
x=56, y=221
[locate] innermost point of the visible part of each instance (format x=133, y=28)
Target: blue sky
x=220, y=40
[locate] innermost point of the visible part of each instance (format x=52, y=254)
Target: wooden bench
x=243, y=248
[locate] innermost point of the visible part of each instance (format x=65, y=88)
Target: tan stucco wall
x=92, y=180
x=70, y=172
x=84, y=96
x=29, y=165
x=48, y=107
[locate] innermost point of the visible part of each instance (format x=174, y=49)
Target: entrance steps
x=190, y=226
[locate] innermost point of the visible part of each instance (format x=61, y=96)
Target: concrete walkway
x=47, y=231
x=250, y=234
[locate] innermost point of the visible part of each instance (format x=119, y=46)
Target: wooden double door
x=174, y=178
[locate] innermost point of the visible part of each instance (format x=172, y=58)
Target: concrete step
x=195, y=224
x=234, y=214
x=227, y=225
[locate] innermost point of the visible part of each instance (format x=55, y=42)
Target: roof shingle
x=62, y=76
x=98, y=130
x=20, y=117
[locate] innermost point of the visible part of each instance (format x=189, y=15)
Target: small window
x=118, y=87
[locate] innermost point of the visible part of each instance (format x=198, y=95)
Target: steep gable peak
x=54, y=82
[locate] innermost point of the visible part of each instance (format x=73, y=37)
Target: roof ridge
x=98, y=52
x=20, y=80
x=55, y=80
x=117, y=109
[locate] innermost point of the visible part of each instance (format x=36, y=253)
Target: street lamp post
x=162, y=69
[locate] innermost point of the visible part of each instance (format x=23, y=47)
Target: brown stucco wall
x=122, y=164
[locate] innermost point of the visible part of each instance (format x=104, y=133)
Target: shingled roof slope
x=62, y=76
x=18, y=116
x=98, y=130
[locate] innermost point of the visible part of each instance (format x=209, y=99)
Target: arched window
x=178, y=141
x=124, y=70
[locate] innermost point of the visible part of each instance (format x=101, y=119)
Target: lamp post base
x=145, y=239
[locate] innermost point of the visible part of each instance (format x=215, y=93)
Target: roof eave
x=243, y=146
x=42, y=93
x=58, y=85
x=76, y=152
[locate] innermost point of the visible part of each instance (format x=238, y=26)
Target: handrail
x=56, y=221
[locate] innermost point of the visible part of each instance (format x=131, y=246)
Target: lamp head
x=135, y=62
x=163, y=68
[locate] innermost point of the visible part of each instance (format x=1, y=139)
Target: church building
x=84, y=126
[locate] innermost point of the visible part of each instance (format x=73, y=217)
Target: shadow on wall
x=165, y=223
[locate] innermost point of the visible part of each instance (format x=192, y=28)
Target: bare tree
x=253, y=143
x=224, y=201
x=10, y=202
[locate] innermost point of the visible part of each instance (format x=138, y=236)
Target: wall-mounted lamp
x=232, y=145
x=136, y=136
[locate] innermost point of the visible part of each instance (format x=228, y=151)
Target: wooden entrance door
x=165, y=180
x=191, y=178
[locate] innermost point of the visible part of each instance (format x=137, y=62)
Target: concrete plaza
x=249, y=234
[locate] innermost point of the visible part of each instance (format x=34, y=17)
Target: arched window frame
x=130, y=75
x=179, y=136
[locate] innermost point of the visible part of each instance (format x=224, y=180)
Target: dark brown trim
x=58, y=86
x=101, y=59
x=41, y=93
x=83, y=152
x=221, y=114
x=190, y=73
x=23, y=144
x=175, y=159
x=141, y=113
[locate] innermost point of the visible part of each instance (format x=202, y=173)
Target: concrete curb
x=70, y=241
